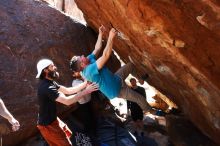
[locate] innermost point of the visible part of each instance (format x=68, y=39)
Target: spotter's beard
x=53, y=75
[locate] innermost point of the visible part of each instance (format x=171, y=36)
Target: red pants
x=56, y=134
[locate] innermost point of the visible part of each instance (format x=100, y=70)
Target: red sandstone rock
x=177, y=43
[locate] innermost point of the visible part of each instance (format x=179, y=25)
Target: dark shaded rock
x=182, y=132
x=29, y=31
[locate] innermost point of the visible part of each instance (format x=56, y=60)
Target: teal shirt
x=109, y=83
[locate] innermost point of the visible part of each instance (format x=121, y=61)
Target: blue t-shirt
x=109, y=83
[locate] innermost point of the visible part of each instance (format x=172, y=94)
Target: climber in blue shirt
x=110, y=84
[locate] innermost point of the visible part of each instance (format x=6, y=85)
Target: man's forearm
x=78, y=88
x=108, y=49
x=72, y=90
x=76, y=97
x=98, y=44
x=4, y=111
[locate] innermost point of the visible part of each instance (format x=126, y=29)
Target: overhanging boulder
x=177, y=43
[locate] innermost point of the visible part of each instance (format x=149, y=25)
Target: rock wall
x=68, y=7
x=31, y=30
x=177, y=43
